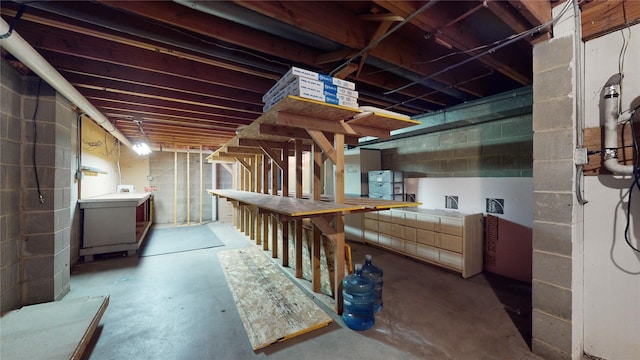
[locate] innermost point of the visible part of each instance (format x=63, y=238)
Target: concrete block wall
x=10, y=172
x=501, y=148
x=46, y=231
x=35, y=235
x=556, y=290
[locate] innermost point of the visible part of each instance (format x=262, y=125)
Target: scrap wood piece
x=53, y=330
x=271, y=306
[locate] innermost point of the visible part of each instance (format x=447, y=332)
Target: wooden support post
x=188, y=187
x=265, y=217
x=285, y=192
x=299, y=230
x=315, y=246
x=257, y=217
x=274, y=221
x=175, y=185
x=201, y=185
x=339, y=198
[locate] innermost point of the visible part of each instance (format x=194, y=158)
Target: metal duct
x=24, y=52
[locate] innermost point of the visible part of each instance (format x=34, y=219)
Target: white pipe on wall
x=611, y=119
x=24, y=52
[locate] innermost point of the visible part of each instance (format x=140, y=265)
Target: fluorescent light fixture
x=141, y=148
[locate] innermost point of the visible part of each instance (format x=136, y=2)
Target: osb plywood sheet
x=271, y=306
x=53, y=330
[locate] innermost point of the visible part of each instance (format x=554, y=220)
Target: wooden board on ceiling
x=601, y=17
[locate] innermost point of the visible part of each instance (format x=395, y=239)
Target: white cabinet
x=448, y=239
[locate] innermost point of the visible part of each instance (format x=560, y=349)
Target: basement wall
x=36, y=235
x=170, y=196
x=611, y=267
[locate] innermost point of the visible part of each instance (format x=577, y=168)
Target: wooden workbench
x=291, y=127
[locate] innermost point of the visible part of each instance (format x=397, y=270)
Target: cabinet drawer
x=381, y=188
x=449, y=242
x=384, y=240
x=397, y=217
x=451, y=226
x=426, y=222
x=371, y=215
x=451, y=259
x=397, y=230
x=371, y=236
x=410, y=234
x=410, y=248
x=384, y=215
x=384, y=227
x=385, y=176
x=426, y=252
x=425, y=237
x=410, y=219
x=397, y=244
x=371, y=224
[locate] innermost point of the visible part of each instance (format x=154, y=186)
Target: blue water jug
x=375, y=273
x=357, y=297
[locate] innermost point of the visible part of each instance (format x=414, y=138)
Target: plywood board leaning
x=53, y=330
x=271, y=306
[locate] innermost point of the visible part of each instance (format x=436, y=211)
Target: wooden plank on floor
x=271, y=306
x=54, y=330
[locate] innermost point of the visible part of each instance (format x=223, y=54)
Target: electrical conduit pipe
x=19, y=48
x=611, y=119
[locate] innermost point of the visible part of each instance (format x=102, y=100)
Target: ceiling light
x=141, y=148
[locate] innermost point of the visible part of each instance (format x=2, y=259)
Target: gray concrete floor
x=178, y=306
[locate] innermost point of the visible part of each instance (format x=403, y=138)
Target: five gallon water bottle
x=375, y=273
x=357, y=295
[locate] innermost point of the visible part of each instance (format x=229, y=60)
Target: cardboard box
x=299, y=88
x=295, y=72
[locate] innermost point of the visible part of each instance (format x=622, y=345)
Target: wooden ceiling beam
x=395, y=49
x=66, y=63
x=88, y=82
x=157, y=103
x=535, y=11
x=201, y=23
x=130, y=111
x=67, y=42
x=431, y=21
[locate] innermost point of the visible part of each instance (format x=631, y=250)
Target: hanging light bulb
x=141, y=148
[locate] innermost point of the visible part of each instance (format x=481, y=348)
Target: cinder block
x=553, y=84
x=9, y=152
x=39, y=267
x=38, y=291
x=38, y=245
x=62, y=219
x=552, y=207
x=9, y=274
x=10, y=77
x=551, y=299
x=551, y=268
x=9, y=100
x=45, y=132
x=10, y=177
x=62, y=136
x=548, y=352
x=10, y=202
x=552, y=237
x=517, y=127
x=45, y=155
x=553, y=145
x=554, y=332
x=46, y=108
x=552, y=54
x=46, y=175
x=556, y=176
x=453, y=137
x=10, y=299
x=453, y=165
x=38, y=223
x=553, y=114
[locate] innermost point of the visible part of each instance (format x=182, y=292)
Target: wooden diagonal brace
x=324, y=144
x=271, y=154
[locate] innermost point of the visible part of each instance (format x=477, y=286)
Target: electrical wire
x=35, y=142
x=636, y=166
x=634, y=183
x=496, y=45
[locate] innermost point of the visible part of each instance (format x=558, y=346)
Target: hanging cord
x=35, y=142
x=14, y=22
x=635, y=183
